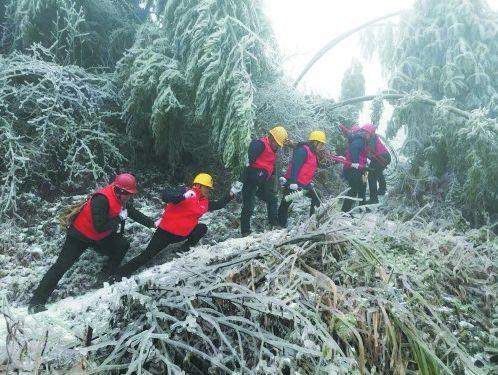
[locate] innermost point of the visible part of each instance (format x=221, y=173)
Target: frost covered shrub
x=82, y=32
x=461, y=150
x=52, y=122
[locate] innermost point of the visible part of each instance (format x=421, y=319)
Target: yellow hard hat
x=317, y=135
x=279, y=134
x=204, y=179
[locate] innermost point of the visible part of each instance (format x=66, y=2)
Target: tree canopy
x=447, y=51
x=189, y=79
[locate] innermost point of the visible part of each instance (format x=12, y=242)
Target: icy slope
x=68, y=319
x=332, y=294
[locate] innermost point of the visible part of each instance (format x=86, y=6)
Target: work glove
x=123, y=215
x=236, y=188
x=189, y=194
x=158, y=221
x=293, y=187
x=355, y=165
x=282, y=181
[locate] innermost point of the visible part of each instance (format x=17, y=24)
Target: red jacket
x=181, y=218
x=377, y=150
x=380, y=147
x=308, y=169
x=84, y=222
x=266, y=160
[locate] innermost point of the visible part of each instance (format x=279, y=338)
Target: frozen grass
x=333, y=294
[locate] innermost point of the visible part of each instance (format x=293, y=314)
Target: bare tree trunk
x=429, y=101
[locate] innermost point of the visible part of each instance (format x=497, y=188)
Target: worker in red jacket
x=94, y=226
x=300, y=173
x=379, y=157
x=257, y=177
x=179, y=222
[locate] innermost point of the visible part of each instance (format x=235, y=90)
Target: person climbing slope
x=354, y=167
x=94, y=226
x=257, y=177
x=379, y=157
x=300, y=173
x=179, y=221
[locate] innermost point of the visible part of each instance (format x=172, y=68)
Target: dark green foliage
x=205, y=60
x=154, y=94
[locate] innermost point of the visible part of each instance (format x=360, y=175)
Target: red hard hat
x=126, y=182
x=369, y=128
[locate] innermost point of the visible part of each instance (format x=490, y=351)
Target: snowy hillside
x=258, y=304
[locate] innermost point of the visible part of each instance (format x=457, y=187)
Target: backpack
x=69, y=213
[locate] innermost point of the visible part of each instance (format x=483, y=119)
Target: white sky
x=304, y=27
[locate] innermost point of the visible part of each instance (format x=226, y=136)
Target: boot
x=103, y=276
x=184, y=247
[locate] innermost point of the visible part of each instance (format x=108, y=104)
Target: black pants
x=376, y=176
x=263, y=190
x=158, y=242
x=357, y=188
x=114, y=246
x=283, y=209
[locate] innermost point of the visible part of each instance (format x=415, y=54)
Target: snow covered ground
x=78, y=302
x=30, y=249
x=62, y=328
x=57, y=336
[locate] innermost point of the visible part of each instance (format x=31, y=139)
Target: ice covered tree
x=54, y=125
x=448, y=51
x=155, y=95
x=88, y=33
x=199, y=69
x=353, y=85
